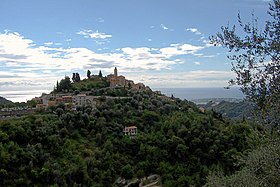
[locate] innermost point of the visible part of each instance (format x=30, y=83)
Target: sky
x=162, y=43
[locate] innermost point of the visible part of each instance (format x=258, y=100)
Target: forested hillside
x=234, y=110
x=87, y=147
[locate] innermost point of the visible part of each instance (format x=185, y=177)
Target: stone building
x=120, y=81
x=117, y=81
x=84, y=100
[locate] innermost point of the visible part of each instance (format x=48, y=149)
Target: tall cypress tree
x=88, y=74
x=100, y=73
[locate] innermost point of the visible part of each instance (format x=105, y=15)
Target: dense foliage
x=87, y=147
x=7, y=104
x=64, y=85
x=261, y=168
x=94, y=82
x=234, y=110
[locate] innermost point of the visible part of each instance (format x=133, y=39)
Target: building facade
x=84, y=100
x=131, y=130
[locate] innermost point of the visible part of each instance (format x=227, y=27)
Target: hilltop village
x=84, y=97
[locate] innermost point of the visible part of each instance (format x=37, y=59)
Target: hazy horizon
x=182, y=93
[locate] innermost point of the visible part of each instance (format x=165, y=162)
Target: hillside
x=234, y=110
x=4, y=101
x=88, y=146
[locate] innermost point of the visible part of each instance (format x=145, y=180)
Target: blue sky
x=162, y=43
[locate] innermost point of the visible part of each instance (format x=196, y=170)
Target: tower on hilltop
x=115, y=72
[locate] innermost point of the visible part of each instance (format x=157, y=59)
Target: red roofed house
x=131, y=130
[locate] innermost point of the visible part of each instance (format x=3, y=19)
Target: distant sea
x=23, y=95
x=182, y=93
x=202, y=93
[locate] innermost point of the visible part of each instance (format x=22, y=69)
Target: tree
x=59, y=111
x=78, y=79
x=74, y=77
x=100, y=73
x=260, y=169
x=127, y=172
x=64, y=84
x=256, y=60
x=88, y=74
x=57, y=85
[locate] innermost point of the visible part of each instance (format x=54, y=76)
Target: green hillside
x=92, y=83
x=95, y=82
x=87, y=147
x=234, y=110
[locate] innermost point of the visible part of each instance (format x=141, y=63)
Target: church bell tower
x=115, y=72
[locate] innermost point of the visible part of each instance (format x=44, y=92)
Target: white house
x=131, y=130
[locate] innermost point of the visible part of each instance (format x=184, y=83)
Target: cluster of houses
x=70, y=101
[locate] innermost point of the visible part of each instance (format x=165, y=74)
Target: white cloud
x=197, y=63
x=190, y=48
x=194, y=30
x=164, y=27
x=207, y=43
x=45, y=57
x=48, y=43
x=184, y=79
x=180, y=49
x=94, y=34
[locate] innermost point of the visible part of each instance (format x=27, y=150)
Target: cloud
x=29, y=66
x=48, y=43
x=29, y=55
x=199, y=78
x=180, y=49
x=184, y=79
x=164, y=27
x=194, y=30
x=207, y=43
x=197, y=63
x=13, y=56
x=94, y=34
